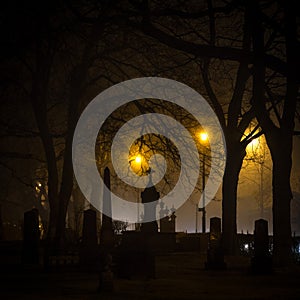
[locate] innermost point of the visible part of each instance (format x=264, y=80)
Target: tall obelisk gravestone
x=137, y=249
x=148, y=230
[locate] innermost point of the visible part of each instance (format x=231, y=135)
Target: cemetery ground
x=179, y=275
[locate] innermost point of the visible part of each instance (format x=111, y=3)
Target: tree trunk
x=67, y=173
x=78, y=85
x=234, y=161
x=282, y=196
x=39, y=95
x=279, y=140
x=66, y=186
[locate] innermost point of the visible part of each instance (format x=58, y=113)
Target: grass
x=178, y=276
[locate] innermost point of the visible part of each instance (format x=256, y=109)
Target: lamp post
x=203, y=196
x=203, y=138
x=137, y=160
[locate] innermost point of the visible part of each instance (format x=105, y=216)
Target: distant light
x=39, y=184
x=203, y=136
x=246, y=247
x=138, y=159
x=255, y=142
x=254, y=146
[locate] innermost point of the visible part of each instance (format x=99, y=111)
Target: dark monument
x=261, y=262
x=31, y=237
x=147, y=257
x=167, y=224
x=164, y=224
x=106, y=239
x=215, y=255
x=172, y=222
x=137, y=250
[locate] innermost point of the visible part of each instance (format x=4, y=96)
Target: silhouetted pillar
x=261, y=263
x=215, y=255
x=173, y=222
x=164, y=224
x=167, y=224
x=146, y=257
x=31, y=237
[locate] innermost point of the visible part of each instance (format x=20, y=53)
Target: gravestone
x=167, y=224
x=137, y=250
x=261, y=262
x=164, y=224
x=88, y=247
x=146, y=257
x=215, y=255
x=173, y=222
x=31, y=237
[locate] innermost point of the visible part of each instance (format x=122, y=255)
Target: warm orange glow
x=203, y=136
x=254, y=147
x=254, y=142
x=138, y=159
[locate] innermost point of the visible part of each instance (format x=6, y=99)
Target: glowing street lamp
x=135, y=162
x=255, y=142
x=203, y=136
x=138, y=159
x=253, y=146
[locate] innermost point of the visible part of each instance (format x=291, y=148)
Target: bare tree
x=229, y=48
